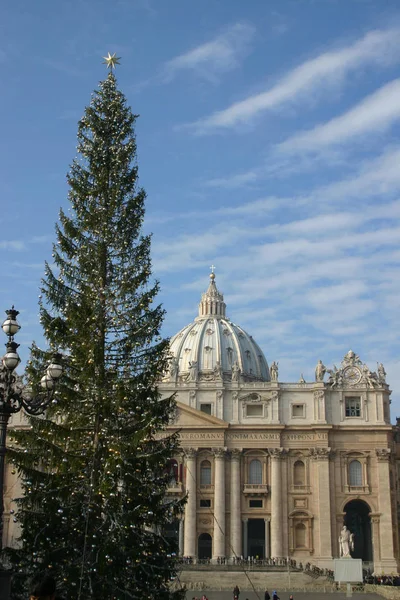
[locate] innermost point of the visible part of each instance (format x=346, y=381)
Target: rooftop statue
x=273, y=371
x=320, y=371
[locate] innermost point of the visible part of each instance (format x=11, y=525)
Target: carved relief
x=235, y=454
x=383, y=454
x=219, y=453
x=192, y=398
x=277, y=453
x=190, y=452
x=319, y=395
x=300, y=503
x=354, y=373
x=321, y=453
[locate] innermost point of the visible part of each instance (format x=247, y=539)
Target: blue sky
x=268, y=143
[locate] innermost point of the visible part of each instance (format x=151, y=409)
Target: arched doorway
x=358, y=521
x=204, y=546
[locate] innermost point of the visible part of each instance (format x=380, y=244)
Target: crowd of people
x=382, y=579
x=255, y=561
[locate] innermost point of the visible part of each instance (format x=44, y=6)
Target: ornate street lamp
x=14, y=395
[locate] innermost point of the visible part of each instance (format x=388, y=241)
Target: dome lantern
x=212, y=301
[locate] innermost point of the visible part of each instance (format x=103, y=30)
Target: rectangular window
x=255, y=503
x=298, y=410
x=205, y=503
x=254, y=410
x=353, y=406
x=205, y=408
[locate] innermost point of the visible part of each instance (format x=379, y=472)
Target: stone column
x=276, y=455
x=322, y=455
x=181, y=538
x=236, y=524
x=190, y=534
x=245, y=537
x=267, y=524
x=219, y=503
x=386, y=526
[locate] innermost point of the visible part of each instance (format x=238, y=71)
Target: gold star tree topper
x=111, y=60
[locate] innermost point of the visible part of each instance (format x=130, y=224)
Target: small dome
x=212, y=344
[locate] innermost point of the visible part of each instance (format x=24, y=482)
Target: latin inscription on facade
x=198, y=435
x=252, y=436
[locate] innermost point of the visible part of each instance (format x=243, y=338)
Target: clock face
x=352, y=375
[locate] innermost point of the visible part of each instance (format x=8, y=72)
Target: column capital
x=219, y=453
x=340, y=517
x=190, y=452
x=321, y=453
x=235, y=454
x=277, y=453
x=382, y=454
x=375, y=517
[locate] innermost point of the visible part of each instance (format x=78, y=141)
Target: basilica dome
x=212, y=347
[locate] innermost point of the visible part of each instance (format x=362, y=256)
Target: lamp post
x=14, y=396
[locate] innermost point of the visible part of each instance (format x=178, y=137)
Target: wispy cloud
x=12, y=245
x=376, y=47
x=374, y=114
x=219, y=55
x=235, y=181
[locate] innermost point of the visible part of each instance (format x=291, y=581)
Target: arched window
x=299, y=473
x=255, y=472
x=300, y=535
x=355, y=473
x=205, y=472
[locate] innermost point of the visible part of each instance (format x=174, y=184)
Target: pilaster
x=322, y=456
x=386, y=526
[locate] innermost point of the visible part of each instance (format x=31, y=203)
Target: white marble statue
x=381, y=373
x=235, y=371
x=320, y=371
x=273, y=371
x=218, y=370
x=193, y=370
x=346, y=542
x=173, y=367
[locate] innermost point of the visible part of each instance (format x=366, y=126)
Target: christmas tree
x=95, y=511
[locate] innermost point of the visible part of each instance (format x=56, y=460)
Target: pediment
x=187, y=417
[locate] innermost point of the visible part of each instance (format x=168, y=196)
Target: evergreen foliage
x=94, y=471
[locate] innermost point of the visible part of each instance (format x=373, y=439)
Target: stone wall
x=217, y=580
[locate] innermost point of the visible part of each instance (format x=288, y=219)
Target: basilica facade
x=274, y=469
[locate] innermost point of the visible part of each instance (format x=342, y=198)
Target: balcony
x=300, y=489
x=256, y=489
x=207, y=487
x=175, y=487
x=357, y=489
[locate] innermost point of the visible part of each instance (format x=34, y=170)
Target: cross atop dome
x=212, y=301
